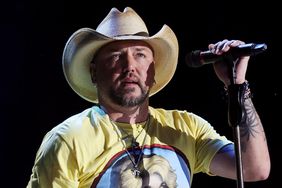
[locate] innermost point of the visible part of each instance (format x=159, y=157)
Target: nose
x=129, y=63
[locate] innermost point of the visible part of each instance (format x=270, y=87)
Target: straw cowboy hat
x=127, y=25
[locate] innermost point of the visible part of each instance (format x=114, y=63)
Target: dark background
x=36, y=97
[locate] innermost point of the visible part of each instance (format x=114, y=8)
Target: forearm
x=255, y=155
x=254, y=149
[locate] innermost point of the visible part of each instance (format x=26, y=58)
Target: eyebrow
x=112, y=49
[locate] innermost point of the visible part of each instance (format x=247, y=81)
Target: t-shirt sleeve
x=208, y=142
x=55, y=165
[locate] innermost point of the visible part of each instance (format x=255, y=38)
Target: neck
x=127, y=114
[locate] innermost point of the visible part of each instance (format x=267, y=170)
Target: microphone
x=199, y=58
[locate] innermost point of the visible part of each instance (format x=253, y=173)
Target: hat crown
x=118, y=23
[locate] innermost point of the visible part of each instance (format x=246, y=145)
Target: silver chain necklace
x=134, y=144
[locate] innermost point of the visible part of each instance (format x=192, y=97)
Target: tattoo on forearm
x=250, y=123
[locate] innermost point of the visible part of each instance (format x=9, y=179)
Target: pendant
x=136, y=172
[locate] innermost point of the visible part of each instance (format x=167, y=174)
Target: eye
x=139, y=54
x=115, y=56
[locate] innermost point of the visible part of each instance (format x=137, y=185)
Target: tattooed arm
x=254, y=147
x=255, y=155
x=254, y=150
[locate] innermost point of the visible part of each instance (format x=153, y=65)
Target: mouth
x=129, y=84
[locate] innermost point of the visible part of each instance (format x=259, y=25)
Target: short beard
x=120, y=99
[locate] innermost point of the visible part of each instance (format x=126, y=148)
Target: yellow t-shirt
x=89, y=150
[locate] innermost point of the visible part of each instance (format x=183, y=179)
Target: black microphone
x=199, y=58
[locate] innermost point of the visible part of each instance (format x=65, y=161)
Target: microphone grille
x=192, y=59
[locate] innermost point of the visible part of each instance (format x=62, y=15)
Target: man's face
x=124, y=72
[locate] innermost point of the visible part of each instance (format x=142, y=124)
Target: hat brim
x=84, y=43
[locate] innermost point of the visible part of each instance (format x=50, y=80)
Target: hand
x=222, y=69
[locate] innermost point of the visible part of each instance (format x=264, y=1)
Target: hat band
x=142, y=34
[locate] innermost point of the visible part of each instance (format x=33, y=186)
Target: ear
x=93, y=72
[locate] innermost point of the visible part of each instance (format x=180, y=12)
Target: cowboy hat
x=127, y=25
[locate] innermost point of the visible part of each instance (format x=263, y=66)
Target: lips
x=129, y=82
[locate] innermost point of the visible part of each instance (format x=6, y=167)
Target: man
x=122, y=141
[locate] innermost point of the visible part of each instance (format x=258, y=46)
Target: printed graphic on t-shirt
x=159, y=167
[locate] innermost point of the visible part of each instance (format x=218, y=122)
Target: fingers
x=223, y=46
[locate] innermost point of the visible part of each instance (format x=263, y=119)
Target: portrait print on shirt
x=160, y=167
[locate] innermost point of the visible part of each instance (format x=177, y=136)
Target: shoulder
x=181, y=120
x=75, y=132
x=75, y=123
x=75, y=127
x=177, y=115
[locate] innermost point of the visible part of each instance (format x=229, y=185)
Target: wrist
x=243, y=89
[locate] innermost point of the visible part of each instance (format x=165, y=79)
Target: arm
x=255, y=155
